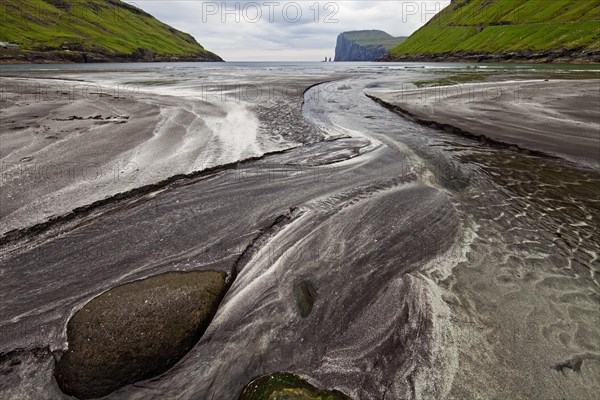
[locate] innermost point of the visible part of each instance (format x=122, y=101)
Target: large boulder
x=282, y=385
x=136, y=331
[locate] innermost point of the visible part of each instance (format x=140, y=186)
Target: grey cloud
x=282, y=39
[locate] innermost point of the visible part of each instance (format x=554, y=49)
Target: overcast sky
x=286, y=30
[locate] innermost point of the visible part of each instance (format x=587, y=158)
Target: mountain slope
x=92, y=30
x=508, y=29
x=364, y=45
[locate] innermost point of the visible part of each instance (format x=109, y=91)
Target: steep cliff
x=364, y=45
x=90, y=31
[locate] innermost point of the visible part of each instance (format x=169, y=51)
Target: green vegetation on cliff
x=364, y=45
x=374, y=38
x=107, y=27
x=505, y=26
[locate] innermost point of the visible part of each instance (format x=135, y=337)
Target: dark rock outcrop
x=8, y=56
x=364, y=45
x=281, y=385
x=136, y=331
x=557, y=56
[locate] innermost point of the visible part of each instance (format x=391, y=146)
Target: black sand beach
x=364, y=252
x=558, y=118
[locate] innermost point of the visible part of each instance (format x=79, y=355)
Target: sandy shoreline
x=68, y=144
x=559, y=118
x=523, y=56
x=437, y=266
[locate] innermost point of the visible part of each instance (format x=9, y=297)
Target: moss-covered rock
x=136, y=331
x=285, y=386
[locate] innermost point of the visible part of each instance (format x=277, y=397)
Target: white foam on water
x=237, y=133
x=436, y=381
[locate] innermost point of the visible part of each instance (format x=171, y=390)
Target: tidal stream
x=437, y=266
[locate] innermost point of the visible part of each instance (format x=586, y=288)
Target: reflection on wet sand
x=372, y=255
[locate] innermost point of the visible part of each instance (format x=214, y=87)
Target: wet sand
x=559, y=117
x=437, y=266
x=67, y=144
x=524, y=302
x=317, y=214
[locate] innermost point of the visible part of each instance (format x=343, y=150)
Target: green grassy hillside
x=505, y=26
x=98, y=26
